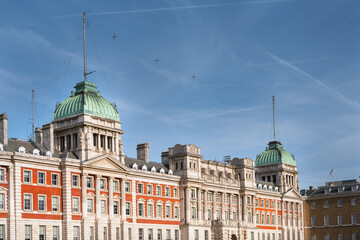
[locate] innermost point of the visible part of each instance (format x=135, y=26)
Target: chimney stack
x=143, y=152
x=311, y=188
x=38, y=135
x=3, y=129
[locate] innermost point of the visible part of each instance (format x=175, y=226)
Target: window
x=76, y=233
x=176, y=192
x=2, y=201
x=226, y=213
x=193, y=212
x=149, y=189
x=2, y=232
x=196, y=234
x=116, y=207
x=102, y=184
x=28, y=232
x=268, y=218
x=355, y=236
x=177, y=235
x=339, y=203
x=327, y=237
x=150, y=210
x=41, y=178
x=27, y=202
x=103, y=206
x=340, y=219
x=313, y=221
x=313, y=237
x=168, y=234
x=340, y=236
x=89, y=182
x=139, y=188
x=167, y=191
x=256, y=202
x=41, y=232
x=267, y=203
x=41, y=203
x=127, y=208
x=159, y=211
x=127, y=186
x=257, y=218
x=273, y=219
x=167, y=212
x=313, y=205
x=353, y=202
x=262, y=202
x=91, y=233
x=206, y=233
x=117, y=234
x=115, y=186
x=104, y=233
x=326, y=220
x=90, y=205
x=54, y=179
x=209, y=214
x=129, y=234
x=56, y=233
x=27, y=177
x=272, y=204
x=159, y=234
x=141, y=234
x=75, y=180
x=2, y=176
x=353, y=218
x=55, y=204
x=158, y=190
x=76, y=204
x=140, y=209
x=176, y=212
x=150, y=234
x=326, y=203
x=217, y=214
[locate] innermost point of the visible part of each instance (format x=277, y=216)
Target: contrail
x=330, y=90
x=175, y=8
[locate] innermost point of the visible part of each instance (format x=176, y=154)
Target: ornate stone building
x=75, y=182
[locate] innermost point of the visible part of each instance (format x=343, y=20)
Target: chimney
x=311, y=188
x=38, y=135
x=143, y=152
x=3, y=129
x=48, y=137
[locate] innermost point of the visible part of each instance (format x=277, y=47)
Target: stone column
x=187, y=204
x=123, y=208
x=231, y=207
x=199, y=217
x=106, y=144
x=222, y=206
x=244, y=208
x=214, y=205
x=239, y=210
x=205, y=206
x=111, y=196
x=99, y=141
x=97, y=197
x=83, y=196
x=11, y=203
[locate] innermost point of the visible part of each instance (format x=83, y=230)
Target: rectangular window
x=193, y=212
x=340, y=220
x=206, y=235
x=27, y=202
x=2, y=175
x=140, y=209
x=326, y=220
x=90, y=205
x=327, y=237
x=196, y=234
x=41, y=178
x=313, y=221
x=313, y=237
x=176, y=193
x=116, y=207
x=105, y=233
x=54, y=179
x=27, y=177
x=192, y=193
x=56, y=233
x=2, y=232
x=209, y=214
x=75, y=180
x=41, y=203
x=355, y=236
x=177, y=235
x=149, y=189
x=2, y=201
x=139, y=188
x=76, y=204
x=353, y=202
x=168, y=234
x=55, y=204
x=41, y=232
x=150, y=234
x=141, y=233
x=176, y=212
x=159, y=234
x=353, y=218
x=340, y=236
x=28, y=232
x=116, y=186
x=117, y=235
x=129, y=234
x=150, y=210
x=313, y=205
x=159, y=211
x=102, y=184
x=158, y=190
x=127, y=186
x=89, y=182
x=127, y=208
x=103, y=206
x=91, y=233
x=167, y=191
x=326, y=203
x=76, y=233
x=167, y=212
x=339, y=203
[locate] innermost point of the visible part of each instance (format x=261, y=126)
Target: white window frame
x=28, y=235
x=90, y=207
x=167, y=192
x=2, y=174
x=176, y=212
x=3, y=201
x=58, y=203
x=44, y=179
x=149, y=189
x=140, y=210
x=128, y=187
x=140, y=188
x=31, y=202
x=158, y=192
x=78, y=204
x=45, y=209
x=150, y=209
x=42, y=232
x=116, y=205
x=103, y=207
x=176, y=193
x=77, y=183
x=159, y=207
x=116, y=186
x=128, y=208
x=102, y=183
x=56, y=233
x=167, y=211
x=57, y=179
x=30, y=176
x=91, y=181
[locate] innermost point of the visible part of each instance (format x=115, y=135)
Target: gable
x=292, y=194
x=106, y=162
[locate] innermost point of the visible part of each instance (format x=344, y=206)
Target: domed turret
x=86, y=100
x=274, y=154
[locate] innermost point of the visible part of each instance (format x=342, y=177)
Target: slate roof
x=333, y=188
x=129, y=162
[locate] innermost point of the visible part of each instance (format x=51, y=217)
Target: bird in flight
x=193, y=77
x=157, y=60
x=114, y=36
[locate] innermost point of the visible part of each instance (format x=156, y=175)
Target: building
x=75, y=182
x=332, y=211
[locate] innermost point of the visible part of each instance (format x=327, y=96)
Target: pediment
x=291, y=193
x=106, y=162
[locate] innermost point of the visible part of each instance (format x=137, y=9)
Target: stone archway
x=233, y=237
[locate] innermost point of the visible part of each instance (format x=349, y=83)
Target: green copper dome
x=274, y=154
x=86, y=100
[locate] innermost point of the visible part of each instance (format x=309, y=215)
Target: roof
x=86, y=100
x=274, y=154
x=129, y=162
x=334, y=188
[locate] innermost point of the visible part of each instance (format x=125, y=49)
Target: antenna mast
x=84, y=47
x=32, y=108
x=273, y=100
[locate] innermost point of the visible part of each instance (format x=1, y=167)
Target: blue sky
x=305, y=52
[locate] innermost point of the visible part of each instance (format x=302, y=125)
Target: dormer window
x=341, y=189
x=36, y=152
x=1, y=147
x=259, y=186
x=162, y=171
x=153, y=169
x=48, y=154
x=170, y=172
x=135, y=166
x=21, y=149
x=327, y=190
x=276, y=189
x=270, y=188
x=265, y=187
x=354, y=188
x=144, y=168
